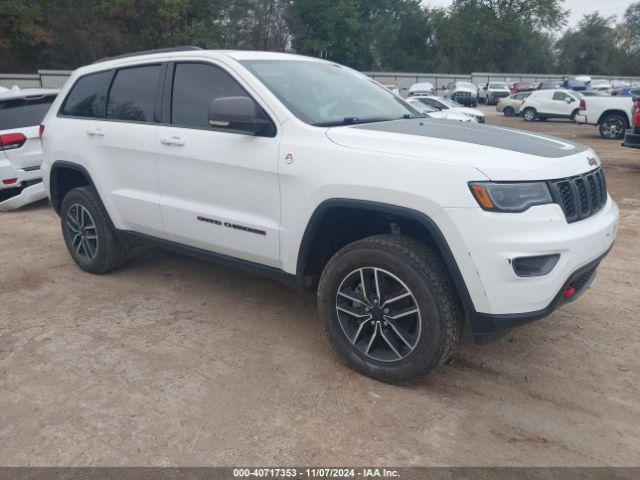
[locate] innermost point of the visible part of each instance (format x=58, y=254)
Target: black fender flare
x=53, y=186
x=306, y=245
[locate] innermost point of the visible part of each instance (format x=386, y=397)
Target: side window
x=133, y=93
x=88, y=96
x=195, y=86
x=560, y=96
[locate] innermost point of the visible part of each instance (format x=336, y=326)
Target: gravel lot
x=171, y=361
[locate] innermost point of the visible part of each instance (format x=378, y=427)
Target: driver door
x=218, y=189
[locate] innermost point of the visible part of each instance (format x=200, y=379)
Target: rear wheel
x=509, y=111
x=88, y=233
x=613, y=126
x=529, y=114
x=389, y=307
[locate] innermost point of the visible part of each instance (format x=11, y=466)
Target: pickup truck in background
x=612, y=115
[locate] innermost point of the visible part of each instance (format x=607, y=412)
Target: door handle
x=95, y=132
x=177, y=141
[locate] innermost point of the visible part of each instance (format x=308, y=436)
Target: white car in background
x=492, y=92
x=545, y=104
x=21, y=112
x=425, y=108
x=423, y=88
x=602, y=86
x=447, y=105
x=465, y=93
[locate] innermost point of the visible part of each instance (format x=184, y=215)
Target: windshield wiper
x=359, y=121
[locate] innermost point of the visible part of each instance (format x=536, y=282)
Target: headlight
x=510, y=197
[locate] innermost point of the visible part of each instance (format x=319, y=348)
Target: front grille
x=499, y=94
x=463, y=94
x=581, y=196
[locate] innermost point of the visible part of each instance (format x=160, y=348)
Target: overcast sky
x=578, y=7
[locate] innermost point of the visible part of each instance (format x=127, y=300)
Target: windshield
x=450, y=103
x=325, y=94
x=422, y=106
x=497, y=85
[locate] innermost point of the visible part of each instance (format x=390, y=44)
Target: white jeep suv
x=314, y=174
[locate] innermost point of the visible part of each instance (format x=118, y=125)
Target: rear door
x=219, y=188
x=108, y=122
x=22, y=116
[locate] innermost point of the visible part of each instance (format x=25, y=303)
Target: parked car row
x=613, y=115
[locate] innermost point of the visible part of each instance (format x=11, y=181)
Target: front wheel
x=509, y=112
x=389, y=308
x=613, y=127
x=529, y=115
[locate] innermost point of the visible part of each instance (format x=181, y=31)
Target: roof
x=189, y=52
x=27, y=92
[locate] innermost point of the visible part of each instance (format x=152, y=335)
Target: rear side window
x=560, y=96
x=195, y=86
x=88, y=96
x=21, y=112
x=133, y=93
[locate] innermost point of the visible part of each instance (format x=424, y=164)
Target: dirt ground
x=171, y=361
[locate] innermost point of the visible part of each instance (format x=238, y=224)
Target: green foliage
x=399, y=35
x=591, y=47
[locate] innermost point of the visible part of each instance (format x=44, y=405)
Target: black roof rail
x=185, y=48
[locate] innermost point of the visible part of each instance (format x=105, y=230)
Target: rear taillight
x=9, y=141
x=583, y=105
x=41, y=130
x=636, y=121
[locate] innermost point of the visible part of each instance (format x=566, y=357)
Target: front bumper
x=632, y=138
x=488, y=327
x=485, y=243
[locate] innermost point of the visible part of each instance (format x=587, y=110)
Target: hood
x=464, y=88
x=499, y=153
x=468, y=111
x=449, y=115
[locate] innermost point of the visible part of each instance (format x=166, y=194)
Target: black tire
x=612, y=126
x=109, y=251
x=509, y=111
x=529, y=114
x=399, y=260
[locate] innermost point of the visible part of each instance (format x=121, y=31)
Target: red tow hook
x=570, y=291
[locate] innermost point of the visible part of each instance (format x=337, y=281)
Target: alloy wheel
x=378, y=314
x=613, y=128
x=82, y=232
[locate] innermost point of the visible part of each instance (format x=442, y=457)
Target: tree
x=590, y=48
x=500, y=35
x=23, y=34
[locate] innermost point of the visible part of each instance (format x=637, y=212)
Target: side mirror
x=237, y=114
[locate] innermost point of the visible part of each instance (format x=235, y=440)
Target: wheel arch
x=320, y=242
x=64, y=177
x=614, y=111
